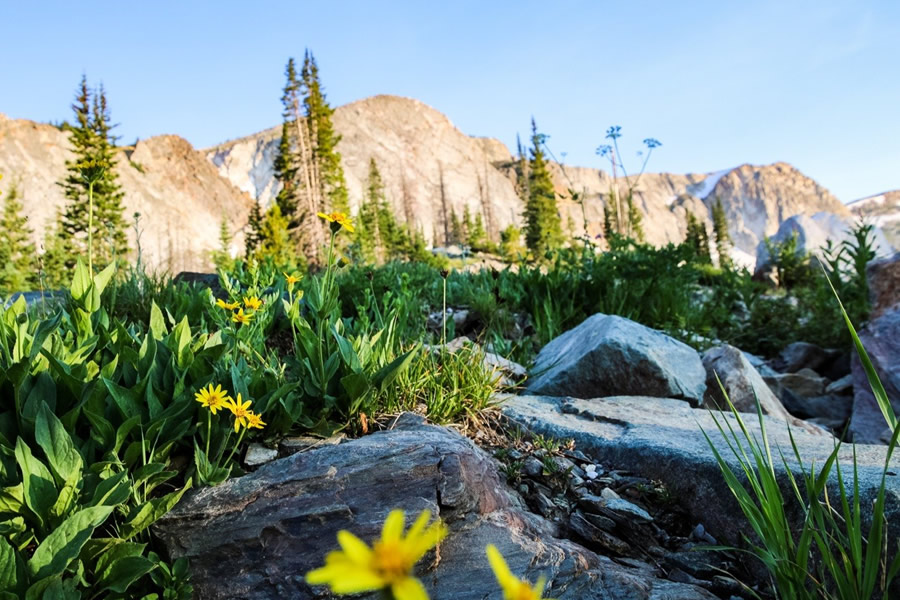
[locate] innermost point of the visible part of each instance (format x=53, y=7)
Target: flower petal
x=430, y=538
x=392, y=530
x=409, y=588
x=355, y=548
x=504, y=576
x=419, y=526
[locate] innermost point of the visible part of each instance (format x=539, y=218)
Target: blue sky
x=816, y=84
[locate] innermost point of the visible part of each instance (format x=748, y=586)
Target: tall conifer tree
x=720, y=232
x=18, y=272
x=543, y=229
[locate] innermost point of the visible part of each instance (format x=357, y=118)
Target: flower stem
x=236, y=444
x=208, y=431
x=91, y=229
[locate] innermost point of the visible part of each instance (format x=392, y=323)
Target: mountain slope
x=180, y=196
x=882, y=210
x=417, y=148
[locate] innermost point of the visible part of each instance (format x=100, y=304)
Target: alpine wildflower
x=252, y=303
x=254, y=421
x=227, y=305
x=291, y=279
x=240, y=317
x=212, y=398
x=513, y=587
x=240, y=410
x=387, y=565
x=338, y=220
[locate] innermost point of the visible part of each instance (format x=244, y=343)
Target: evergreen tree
x=720, y=232
x=18, y=271
x=285, y=167
x=610, y=219
x=511, y=243
x=543, y=230
x=253, y=238
x=222, y=257
x=635, y=220
x=466, y=224
x=477, y=234
x=324, y=139
x=95, y=150
x=697, y=238
x=456, y=228
x=54, y=272
x=275, y=240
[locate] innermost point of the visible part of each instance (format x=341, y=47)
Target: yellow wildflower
x=252, y=303
x=240, y=317
x=254, y=421
x=240, y=410
x=338, y=220
x=212, y=398
x=387, y=565
x=227, y=305
x=291, y=280
x=513, y=587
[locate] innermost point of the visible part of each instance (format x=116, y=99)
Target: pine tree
x=456, y=228
x=18, y=271
x=543, y=230
x=95, y=150
x=285, y=167
x=253, y=238
x=222, y=257
x=720, y=232
x=324, y=139
x=477, y=234
x=275, y=240
x=467, y=225
x=635, y=220
x=610, y=219
x=510, y=243
x=54, y=272
x=697, y=238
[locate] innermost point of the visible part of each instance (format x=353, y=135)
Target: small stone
x=257, y=455
x=575, y=480
x=591, y=533
x=844, y=385
x=604, y=523
x=515, y=455
x=609, y=494
x=532, y=467
x=626, y=508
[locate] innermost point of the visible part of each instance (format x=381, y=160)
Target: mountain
x=429, y=168
x=882, y=210
x=179, y=194
x=427, y=164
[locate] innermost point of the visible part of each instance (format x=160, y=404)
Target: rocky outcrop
x=663, y=439
x=255, y=536
x=881, y=339
x=882, y=210
x=609, y=355
x=180, y=196
x=884, y=283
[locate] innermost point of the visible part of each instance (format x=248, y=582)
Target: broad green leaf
x=54, y=440
x=8, y=577
x=141, y=517
x=112, y=491
x=12, y=499
x=81, y=281
x=37, y=482
x=43, y=331
x=157, y=322
x=124, y=572
x=182, y=335
x=386, y=375
x=64, y=543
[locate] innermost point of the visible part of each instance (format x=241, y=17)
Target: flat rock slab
x=608, y=355
x=255, y=536
x=662, y=439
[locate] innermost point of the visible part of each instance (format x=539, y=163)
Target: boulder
x=884, y=283
x=255, y=536
x=881, y=339
x=804, y=383
x=803, y=355
x=664, y=439
x=609, y=355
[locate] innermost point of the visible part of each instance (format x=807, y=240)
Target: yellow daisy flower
x=240, y=317
x=227, y=305
x=338, y=220
x=254, y=421
x=291, y=280
x=252, y=303
x=240, y=410
x=388, y=564
x=513, y=587
x=212, y=398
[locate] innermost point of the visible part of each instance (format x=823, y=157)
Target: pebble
x=532, y=467
x=626, y=508
x=609, y=494
x=257, y=455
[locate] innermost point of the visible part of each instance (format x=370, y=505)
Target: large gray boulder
x=663, y=439
x=255, y=536
x=881, y=339
x=744, y=385
x=884, y=283
x=608, y=355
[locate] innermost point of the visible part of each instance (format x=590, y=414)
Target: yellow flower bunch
x=338, y=220
x=387, y=565
x=241, y=318
x=252, y=303
x=216, y=398
x=227, y=305
x=212, y=398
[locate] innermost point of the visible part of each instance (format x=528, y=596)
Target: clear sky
x=719, y=83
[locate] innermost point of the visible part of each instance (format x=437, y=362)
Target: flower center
x=390, y=561
x=524, y=592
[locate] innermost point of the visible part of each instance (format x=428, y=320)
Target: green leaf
x=386, y=374
x=8, y=577
x=124, y=572
x=52, y=437
x=37, y=482
x=43, y=331
x=12, y=499
x=142, y=516
x=81, y=281
x=157, y=322
x=182, y=335
x=112, y=491
x=64, y=543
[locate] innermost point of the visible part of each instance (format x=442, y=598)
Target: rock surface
x=882, y=210
x=884, y=283
x=881, y=339
x=255, y=536
x=609, y=355
x=662, y=439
